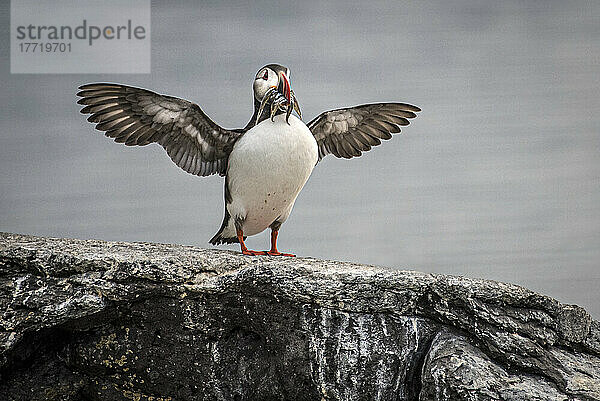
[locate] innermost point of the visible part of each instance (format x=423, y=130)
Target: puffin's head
x=273, y=82
x=272, y=76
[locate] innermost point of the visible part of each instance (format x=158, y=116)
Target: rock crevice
x=94, y=320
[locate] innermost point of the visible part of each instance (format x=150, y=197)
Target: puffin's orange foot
x=277, y=253
x=253, y=253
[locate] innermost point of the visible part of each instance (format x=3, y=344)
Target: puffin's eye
x=265, y=75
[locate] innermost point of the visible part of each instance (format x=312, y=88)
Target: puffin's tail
x=219, y=238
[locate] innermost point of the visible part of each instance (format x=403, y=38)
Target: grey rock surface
x=94, y=320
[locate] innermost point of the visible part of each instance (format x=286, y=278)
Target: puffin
x=265, y=164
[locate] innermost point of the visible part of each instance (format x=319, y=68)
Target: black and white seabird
x=265, y=164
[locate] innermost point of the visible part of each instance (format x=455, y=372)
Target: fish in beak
x=281, y=98
x=288, y=93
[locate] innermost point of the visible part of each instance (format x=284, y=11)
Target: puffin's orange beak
x=285, y=86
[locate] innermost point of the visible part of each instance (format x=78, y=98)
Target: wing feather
x=138, y=117
x=350, y=131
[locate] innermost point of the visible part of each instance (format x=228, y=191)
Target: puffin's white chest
x=267, y=168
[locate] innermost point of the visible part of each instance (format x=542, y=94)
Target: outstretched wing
x=349, y=132
x=136, y=116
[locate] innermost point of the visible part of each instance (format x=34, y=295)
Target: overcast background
x=498, y=177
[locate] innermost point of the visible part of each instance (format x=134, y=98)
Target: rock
x=94, y=320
